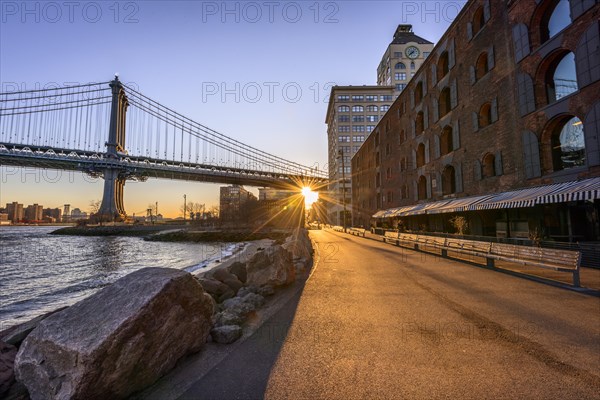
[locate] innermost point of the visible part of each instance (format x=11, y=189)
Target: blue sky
x=173, y=51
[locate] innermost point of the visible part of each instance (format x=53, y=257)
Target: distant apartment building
x=279, y=208
x=66, y=215
x=34, y=212
x=77, y=214
x=354, y=111
x=236, y=204
x=15, y=212
x=52, y=214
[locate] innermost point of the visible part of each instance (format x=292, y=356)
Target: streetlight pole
x=341, y=155
x=184, y=206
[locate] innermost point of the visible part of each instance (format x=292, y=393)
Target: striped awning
x=459, y=205
x=587, y=189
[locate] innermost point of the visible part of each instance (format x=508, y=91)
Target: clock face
x=412, y=52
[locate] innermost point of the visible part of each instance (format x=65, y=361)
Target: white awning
x=588, y=189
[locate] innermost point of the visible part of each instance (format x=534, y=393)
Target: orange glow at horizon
x=309, y=197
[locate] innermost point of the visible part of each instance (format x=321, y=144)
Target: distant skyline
x=259, y=72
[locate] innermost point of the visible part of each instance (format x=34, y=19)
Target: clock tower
x=402, y=58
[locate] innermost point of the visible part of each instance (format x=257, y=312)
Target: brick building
x=236, y=204
x=507, y=101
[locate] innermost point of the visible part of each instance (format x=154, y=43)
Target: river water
x=41, y=272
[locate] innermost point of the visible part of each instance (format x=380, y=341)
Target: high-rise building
x=354, y=111
x=34, y=212
x=403, y=57
x=66, y=213
x=15, y=211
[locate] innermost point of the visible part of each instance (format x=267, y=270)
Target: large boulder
x=16, y=334
x=272, y=266
x=8, y=353
x=227, y=278
x=239, y=270
x=299, y=245
x=117, y=341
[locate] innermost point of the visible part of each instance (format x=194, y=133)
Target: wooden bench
x=391, y=237
x=357, y=231
x=555, y=259
x=338, y=228
x=469, y=247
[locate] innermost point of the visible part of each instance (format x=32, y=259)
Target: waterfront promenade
x=377, y=321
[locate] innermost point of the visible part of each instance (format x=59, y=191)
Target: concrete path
x=379, y=322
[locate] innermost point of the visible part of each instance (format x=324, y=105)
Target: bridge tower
x=112, y=206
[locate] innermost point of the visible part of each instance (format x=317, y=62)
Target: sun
x=309, y=196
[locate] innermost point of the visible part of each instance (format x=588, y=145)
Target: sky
x=175, y=51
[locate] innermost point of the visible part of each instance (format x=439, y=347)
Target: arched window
x=419, y=92
x=403, y=165
x=404, y=191
x=478, y=20
x=568, y=143
x=412, y=65
x=422, y=188
x=448, y=180
x=358, y=109
x=444, y=102
x=344, y=109
x=442, y=66
x=446, y=145
x=485, y=115
x=420, y=123
x=420, y=155
x=400, y=66
x=402, y=137
x=489, y=165
x=561, y=78
x=482, y=67
x=556, y=18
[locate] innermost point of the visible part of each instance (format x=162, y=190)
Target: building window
x=344, y=109
x=372, y=108
x=398, y=54
x=344, y=118
x=358, y=138
x=419, y=93
x=420, y=123
x=343, y=128
x=358, y=128
x=412, y=65
x=443, y=66
x=568, y=143
x=448, y=180
x=557, y=18
x=344, y=139
x=420, y=155
x=384, y=108
x=489, y=165
x=372, y=118
x=478, y=20
x=400, y=76
x=426, y=54
x=358, y=109
x=388, y=149
x=358, y=118
x=561, y=78
x=370, y=128
x=344, y=149
x=371, y=97
x=482, y=67
x=343, y=97
x=400, y=65
x=402, y=137
x=400, y=87
x=422, y=188
x=404, y=192
x=485, y=115
x=345, y=170
x=446, y=142
x=386, y=97
x=378, y=180
x=403, y=165
x=388, y=173
x=356, y=148
x=358, y=98
x=444, y=103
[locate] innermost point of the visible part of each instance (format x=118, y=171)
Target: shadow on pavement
x=244, y=373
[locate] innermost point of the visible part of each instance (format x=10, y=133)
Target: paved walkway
x=379, y=322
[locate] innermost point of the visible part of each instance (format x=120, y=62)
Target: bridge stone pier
x=112, y=207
